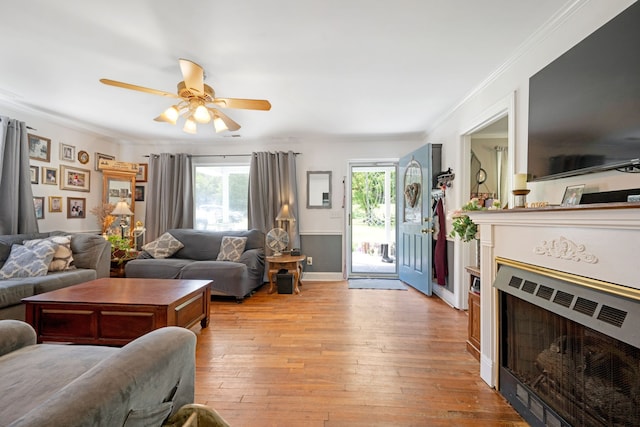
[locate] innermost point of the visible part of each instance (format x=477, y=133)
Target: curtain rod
x=222, y=155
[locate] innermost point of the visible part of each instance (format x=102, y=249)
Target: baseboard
x=322, y=277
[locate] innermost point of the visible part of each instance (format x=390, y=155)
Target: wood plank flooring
x=339, y=357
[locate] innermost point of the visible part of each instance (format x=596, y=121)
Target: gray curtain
x=17, y=214
x=169, y=194
x=272, y=183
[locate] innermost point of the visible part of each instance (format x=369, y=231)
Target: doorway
x=371, y=226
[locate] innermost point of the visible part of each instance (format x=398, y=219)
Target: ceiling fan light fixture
x=219, y=124
x=170, y=115
x=201, y=114
x=190, y=126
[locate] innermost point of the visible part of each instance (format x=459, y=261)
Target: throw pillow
x=231, y=248
x=63, y=257
x=28, y=262
x=164, y=246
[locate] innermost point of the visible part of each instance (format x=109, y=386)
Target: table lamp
x=122, y=210
x=285, y=217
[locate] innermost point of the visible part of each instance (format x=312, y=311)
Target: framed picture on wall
x=141, y=176
x=67, y=152
x=572, y=195
x=139, y=193
x=76, y=207
x=39, y=148
x=49, y=175
x=75, y=179
x=55, y=204
x=100, y=156
x=38, y=204
x=33, y=174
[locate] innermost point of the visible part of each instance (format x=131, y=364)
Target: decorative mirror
x=118, y=185
x=319, y=190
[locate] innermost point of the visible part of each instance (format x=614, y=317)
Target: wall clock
x=83, y=157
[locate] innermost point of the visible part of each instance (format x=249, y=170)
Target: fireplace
x=580, y=265
x=568, y=350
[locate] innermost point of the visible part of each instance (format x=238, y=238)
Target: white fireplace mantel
x=599, y=242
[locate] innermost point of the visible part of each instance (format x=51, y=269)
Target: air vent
x=515, y=282
x=584, y=301
x=563, y=298
x=585, y=306
x=529, y=287
x=612, y=315
x=545, y=292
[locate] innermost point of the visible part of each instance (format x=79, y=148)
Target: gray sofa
x=91, y=258
x=197, y=260
x=142, y=383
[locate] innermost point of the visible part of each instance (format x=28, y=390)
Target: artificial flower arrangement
x=462, y=225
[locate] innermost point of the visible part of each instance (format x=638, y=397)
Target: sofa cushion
x=61, y=279
x=63, y=257
x=203, y=245
x=168, y=268
x=13, y=290
x=163, y=247
x=35, y=373
x=231, y=248
x=28, y=261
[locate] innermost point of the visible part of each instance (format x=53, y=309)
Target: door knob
x=427, y=230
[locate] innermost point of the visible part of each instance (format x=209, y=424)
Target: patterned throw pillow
x=231, y=248
x=163, y=247
x=28, y=262
x=63, y=257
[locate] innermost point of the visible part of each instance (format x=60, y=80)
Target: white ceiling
x=330, y=68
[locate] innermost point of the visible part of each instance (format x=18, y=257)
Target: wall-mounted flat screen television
x=584, y=107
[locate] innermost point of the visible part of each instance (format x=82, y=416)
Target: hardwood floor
x=339, y=357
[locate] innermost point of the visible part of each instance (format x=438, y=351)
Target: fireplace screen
x=586, y=377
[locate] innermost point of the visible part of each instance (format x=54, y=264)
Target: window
x=221, y=195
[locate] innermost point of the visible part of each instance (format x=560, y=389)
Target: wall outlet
x=309, y=260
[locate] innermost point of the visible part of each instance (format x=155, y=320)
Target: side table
x=118, y=263
x=285, y=262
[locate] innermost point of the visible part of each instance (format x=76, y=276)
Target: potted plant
x=119, y=246
x=465, y=228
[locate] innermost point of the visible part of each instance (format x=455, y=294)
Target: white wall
x=82, y=140
x=513, y=81
x=315, y=155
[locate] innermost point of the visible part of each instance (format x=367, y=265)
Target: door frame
x=463, y=255
x=348, y=229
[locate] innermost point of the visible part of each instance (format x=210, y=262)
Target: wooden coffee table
x=115, y=311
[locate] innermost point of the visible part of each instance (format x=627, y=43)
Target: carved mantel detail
x=564, y=248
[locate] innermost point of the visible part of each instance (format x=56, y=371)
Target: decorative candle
x=520, y=181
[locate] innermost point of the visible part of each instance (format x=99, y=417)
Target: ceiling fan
x=198, y=103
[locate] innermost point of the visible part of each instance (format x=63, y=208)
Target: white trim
x=322, y=277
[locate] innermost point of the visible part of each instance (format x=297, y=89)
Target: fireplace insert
x=561, y=365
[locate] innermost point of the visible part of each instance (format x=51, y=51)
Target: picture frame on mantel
x=572, y=195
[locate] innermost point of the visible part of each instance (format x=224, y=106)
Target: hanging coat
x=440, y=251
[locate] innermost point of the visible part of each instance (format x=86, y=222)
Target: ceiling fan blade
x=138, y=88
x=193, y=75
x=228, y=122
x=245, y=104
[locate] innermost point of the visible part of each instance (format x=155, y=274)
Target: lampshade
x=219, y=124
x=201, y=114
x=170, y=115
x=122, y=208
x=284, y=214
x=190, y=126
